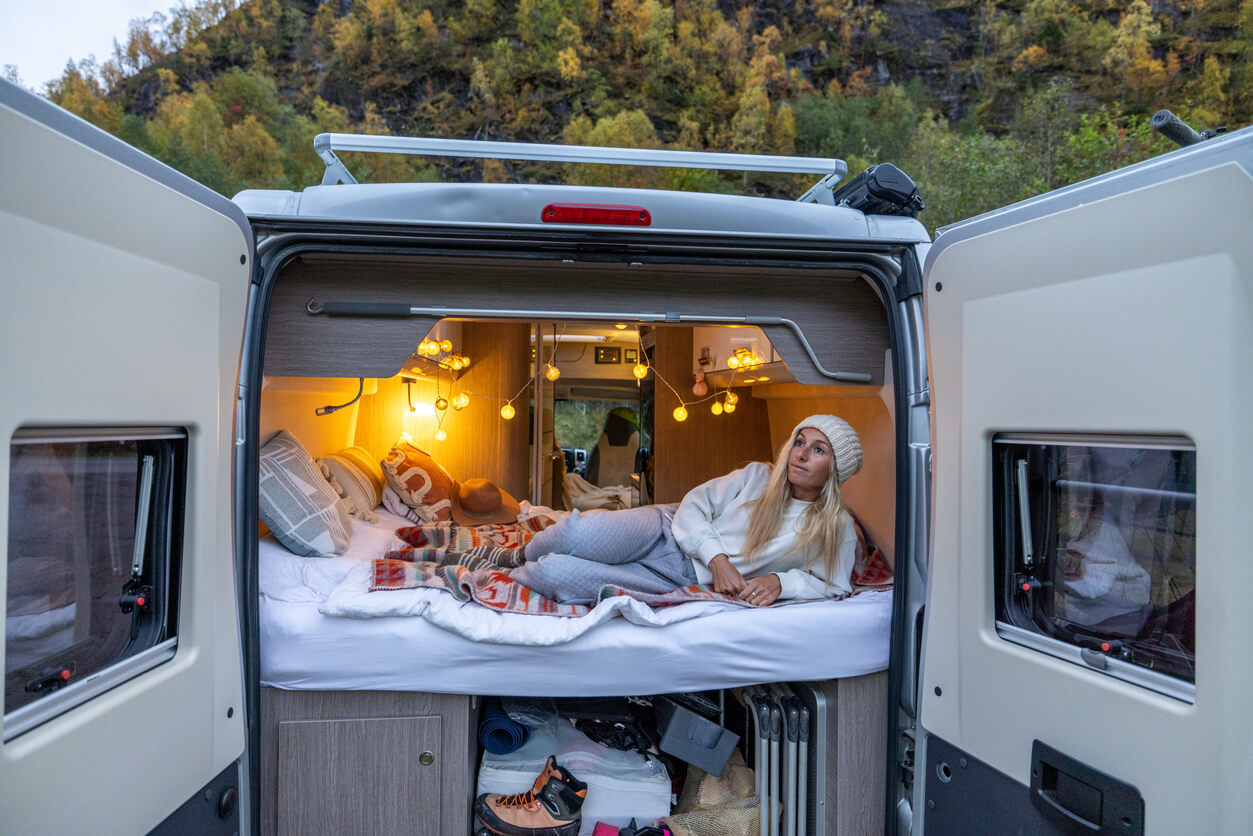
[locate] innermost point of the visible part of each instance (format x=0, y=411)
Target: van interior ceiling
x=461, y=354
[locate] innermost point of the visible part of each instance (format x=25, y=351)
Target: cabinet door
x=367, y=776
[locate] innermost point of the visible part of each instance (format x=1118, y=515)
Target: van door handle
x=1070, y=793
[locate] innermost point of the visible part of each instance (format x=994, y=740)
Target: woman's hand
x=727, y=579
x=762, y=591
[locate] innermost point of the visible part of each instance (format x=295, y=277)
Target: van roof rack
x=327, y=144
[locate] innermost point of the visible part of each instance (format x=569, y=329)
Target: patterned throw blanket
x=432, y=541
x=495, y=589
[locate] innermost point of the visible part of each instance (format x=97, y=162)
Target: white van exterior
x=1114, y=315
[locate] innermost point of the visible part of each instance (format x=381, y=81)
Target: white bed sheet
x=301, y=648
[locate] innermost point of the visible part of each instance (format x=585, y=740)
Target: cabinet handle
x=426, y=758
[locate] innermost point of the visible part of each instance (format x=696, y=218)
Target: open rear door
x=1085, y=664
x=125, y=286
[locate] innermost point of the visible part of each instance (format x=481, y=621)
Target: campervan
x=1050, y=400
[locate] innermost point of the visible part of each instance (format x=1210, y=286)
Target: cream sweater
x=713, y=519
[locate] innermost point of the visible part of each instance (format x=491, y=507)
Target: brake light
x=595, y=213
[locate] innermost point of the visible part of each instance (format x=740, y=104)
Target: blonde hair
x=822, y=524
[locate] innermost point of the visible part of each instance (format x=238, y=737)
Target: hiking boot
x=551, y=807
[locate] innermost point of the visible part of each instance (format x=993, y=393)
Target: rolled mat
x=497, y=733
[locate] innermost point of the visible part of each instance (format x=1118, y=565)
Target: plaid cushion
x=297, y=503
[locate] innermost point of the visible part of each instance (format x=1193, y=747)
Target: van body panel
x=126, y=285
x=1127, y=317
x=513, y=205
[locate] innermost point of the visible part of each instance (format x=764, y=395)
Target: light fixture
x=680, y=413
x=445, y=346
x=573, y=338
x=621, y=326
x=507, y=411
x=733, y=362
x=716, y=408
x=441, y=404
x=732, y=397
x=409, y=394
x=729, y=408
x=552, y=372
x=440, y=435
x=460, y=400
x=640, y=371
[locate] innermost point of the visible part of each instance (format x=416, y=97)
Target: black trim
x=213, y=809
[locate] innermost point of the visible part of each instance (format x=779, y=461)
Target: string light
x=552, y=372
x=445, y=346
x=441, y=404
x=507, y=411
x=680, y=413
x=729, y=408
x=440, y=435
x=640, y=371
x=716, y=408
x=731, y=397
x=460, y=400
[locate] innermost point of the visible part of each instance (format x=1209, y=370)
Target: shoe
x=551, y=807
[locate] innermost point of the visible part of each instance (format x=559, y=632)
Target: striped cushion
x=297, y=502
x=357, y=478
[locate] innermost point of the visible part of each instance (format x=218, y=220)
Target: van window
x=1095, y=544
x=94, y=543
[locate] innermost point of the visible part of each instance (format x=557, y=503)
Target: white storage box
x=620, y=785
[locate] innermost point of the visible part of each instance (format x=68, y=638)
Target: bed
x=447, y=646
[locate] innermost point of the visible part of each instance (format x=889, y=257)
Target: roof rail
x=327, y=144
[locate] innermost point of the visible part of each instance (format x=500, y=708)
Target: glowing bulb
x=460, y=400
x=733, y=362
x=680, y=414
x=729, y=408
x=465, y=362
x=732, y=397
x=640, y=371
x=507, y=411
x=716, y=409
x=445, y=346
x=552, y=372
x=455, y=363
x=441, y=404
x=621, y=326
x=440, y=435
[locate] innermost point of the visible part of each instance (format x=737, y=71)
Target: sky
x=39, y=36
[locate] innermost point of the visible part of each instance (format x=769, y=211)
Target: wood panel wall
x=704, y=446
x=480, y=443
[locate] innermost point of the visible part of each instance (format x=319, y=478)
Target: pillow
x=419, y=480
x=297, y=502
x=357, y=479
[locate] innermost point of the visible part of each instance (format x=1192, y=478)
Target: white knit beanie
x=845, y=445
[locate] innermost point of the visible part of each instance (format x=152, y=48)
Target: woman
x=762, y=533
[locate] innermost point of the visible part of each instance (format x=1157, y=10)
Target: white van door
x=1085, y=664
x=125, y=290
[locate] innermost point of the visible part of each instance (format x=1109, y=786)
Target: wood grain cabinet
x=366, y=762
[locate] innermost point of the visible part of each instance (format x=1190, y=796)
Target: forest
x=981, y=102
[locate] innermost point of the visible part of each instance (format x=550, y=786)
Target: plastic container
x=690, y=737
x=620, y=785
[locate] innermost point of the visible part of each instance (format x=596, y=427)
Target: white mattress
x=301, y=648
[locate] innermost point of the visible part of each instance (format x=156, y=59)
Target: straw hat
x=482, y=502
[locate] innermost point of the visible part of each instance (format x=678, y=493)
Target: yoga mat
x=497, y=733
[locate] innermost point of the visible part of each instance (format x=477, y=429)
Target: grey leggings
x=569, y=562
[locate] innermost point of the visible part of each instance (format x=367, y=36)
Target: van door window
x=1096, y=554
x=95, y=526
